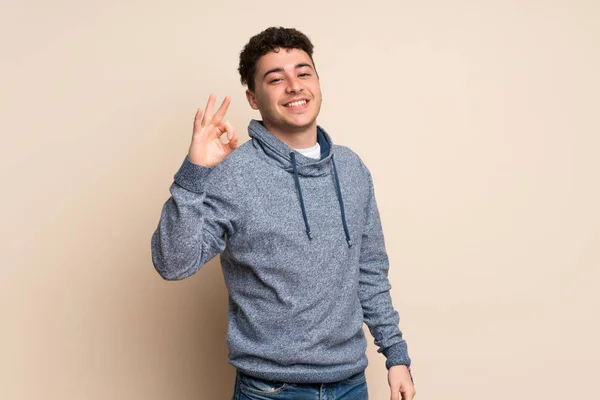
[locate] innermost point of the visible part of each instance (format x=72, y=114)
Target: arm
x=192, y=226
x=197, y=216
x=374, y=289
x=379, y=313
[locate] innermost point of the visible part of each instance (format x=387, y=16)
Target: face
x=287, y=91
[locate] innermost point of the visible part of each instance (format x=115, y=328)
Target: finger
x=227, y=127
x=221, y=111
x=409, y=394
x=209, y=110
x=395, y=393
x=231, y=135
x=197, y=119
x=233, y=143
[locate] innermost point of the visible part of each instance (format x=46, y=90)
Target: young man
x=295, y=220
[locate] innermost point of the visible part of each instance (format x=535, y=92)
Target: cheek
x=268, y=98
x=316, y=90
x=267, y=103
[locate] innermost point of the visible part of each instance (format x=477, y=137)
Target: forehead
x=282, y=58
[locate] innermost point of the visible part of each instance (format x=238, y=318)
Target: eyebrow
x=279, y=69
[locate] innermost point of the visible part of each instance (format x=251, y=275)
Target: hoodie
x=302, y=253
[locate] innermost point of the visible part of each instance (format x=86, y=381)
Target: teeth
x=297, y=103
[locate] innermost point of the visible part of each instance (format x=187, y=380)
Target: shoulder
x=349, y=159
x=240, y=157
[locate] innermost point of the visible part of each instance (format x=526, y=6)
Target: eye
x=276, y=80
x=304, y=74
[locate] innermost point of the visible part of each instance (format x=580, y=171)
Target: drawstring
x=339, y=194
x=300, y=195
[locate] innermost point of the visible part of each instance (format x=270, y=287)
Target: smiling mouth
x=295, y=104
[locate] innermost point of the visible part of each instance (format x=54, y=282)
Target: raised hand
x=206, y=148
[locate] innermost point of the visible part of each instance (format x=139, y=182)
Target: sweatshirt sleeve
x=374, y=289
x=193, y=224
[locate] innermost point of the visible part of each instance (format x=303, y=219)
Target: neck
x=301, y=139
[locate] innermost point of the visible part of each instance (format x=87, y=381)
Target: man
x=295, y=220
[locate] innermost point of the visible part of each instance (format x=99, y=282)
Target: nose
x=293, y=85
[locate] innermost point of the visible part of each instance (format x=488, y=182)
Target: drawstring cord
x=339, y=195
x=300, y=195
x=339, y=192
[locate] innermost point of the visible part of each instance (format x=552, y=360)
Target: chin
x=303, y=121
x=298, y=125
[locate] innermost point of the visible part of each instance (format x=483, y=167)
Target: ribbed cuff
x=191, y=176
x=396, y=355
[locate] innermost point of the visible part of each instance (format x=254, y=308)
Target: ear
x=251, y=99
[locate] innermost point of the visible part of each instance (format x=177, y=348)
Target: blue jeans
x=249, y=388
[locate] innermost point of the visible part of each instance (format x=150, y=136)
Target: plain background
x=478, y=119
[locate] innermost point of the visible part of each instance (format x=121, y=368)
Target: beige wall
x=479, y=121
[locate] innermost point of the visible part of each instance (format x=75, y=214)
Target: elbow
x=172, y=271
x=172, y=267
x=167, y=274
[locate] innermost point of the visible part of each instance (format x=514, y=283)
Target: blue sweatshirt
x=302, y=252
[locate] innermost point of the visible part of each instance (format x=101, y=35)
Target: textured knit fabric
x=302, y=253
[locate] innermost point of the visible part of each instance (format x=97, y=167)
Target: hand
x=207, y=149
x=400, y=382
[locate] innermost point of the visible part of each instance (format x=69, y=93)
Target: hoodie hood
x=294, y=162
x=280, y=153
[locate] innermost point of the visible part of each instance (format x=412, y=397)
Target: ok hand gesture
x=206, y=148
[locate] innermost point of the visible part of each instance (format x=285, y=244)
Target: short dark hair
x=271, y=39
